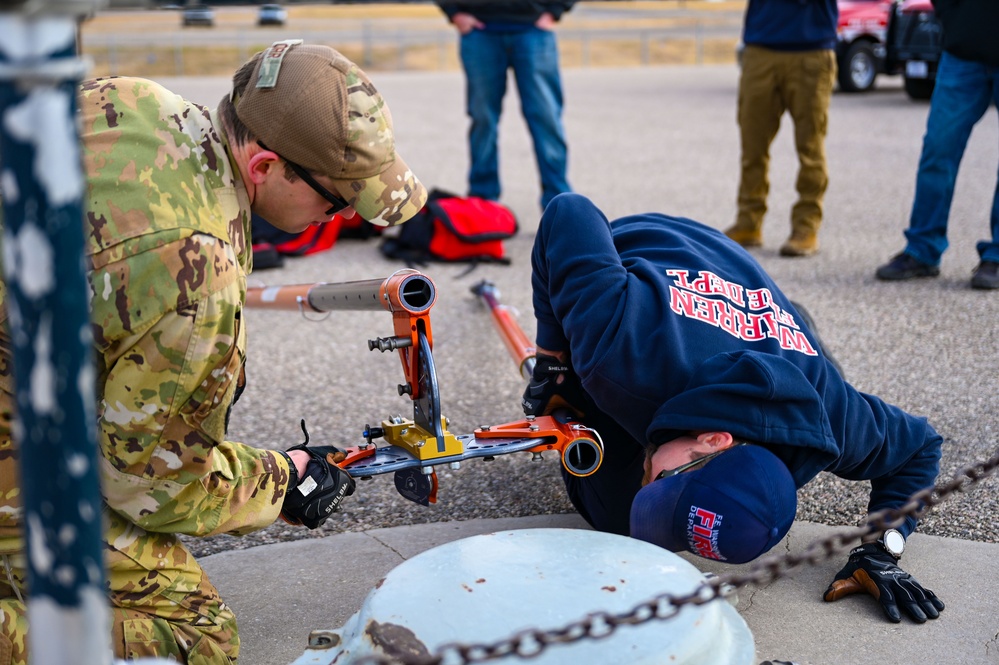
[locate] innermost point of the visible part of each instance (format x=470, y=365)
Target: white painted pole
x=43, y=188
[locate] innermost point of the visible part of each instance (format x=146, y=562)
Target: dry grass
x=630, y=53
x=109, y=39
x=223, y=61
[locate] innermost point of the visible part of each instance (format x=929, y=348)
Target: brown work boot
x=745, y=237
x=801, y=243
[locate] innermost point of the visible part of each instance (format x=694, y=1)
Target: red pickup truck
x=862, y=35
x=915, y=42
x=888, y=37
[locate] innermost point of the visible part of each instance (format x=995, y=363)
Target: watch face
x=894, y=542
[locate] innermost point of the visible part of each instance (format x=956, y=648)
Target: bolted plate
x=488, y=587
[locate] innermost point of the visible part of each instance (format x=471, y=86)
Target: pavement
x=648, y=139
x=282, y=592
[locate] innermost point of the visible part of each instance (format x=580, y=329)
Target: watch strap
x=876, y=547
x=870, y=548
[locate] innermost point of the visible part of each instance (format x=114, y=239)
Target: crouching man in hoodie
x=715, y=397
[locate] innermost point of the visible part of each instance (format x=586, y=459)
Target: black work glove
x=554, y=385
x=319, y=493
x=872, y=569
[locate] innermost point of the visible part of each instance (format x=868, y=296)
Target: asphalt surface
x=661, y=139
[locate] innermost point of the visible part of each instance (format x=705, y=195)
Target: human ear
x=260, y=165
x=717, y=440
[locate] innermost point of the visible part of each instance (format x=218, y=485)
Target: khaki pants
x=162, y=603
x=773, y=82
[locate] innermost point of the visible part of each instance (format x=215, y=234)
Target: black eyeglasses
x=669, y=473
x=338, y=203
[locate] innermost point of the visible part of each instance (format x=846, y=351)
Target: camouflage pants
x=162, y=603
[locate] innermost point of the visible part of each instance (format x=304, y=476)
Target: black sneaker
x=986, y=276
x=903, y=266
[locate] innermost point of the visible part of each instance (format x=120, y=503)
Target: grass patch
x=153, y=43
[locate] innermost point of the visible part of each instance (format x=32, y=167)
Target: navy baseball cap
x=734, y=509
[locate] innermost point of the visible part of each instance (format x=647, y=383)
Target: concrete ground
x=282, y=592
x=644, y=139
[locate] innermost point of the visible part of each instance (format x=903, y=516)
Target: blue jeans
x=963, y=93
x=533, y=55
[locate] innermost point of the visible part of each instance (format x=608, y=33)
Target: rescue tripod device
x=416, y=446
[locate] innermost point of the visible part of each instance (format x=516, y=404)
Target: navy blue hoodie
x=672, y=327
x=791, y=25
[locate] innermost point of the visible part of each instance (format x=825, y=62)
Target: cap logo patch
x=702, y=532
x=270, y=65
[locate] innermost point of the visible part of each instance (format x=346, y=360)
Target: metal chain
x=598, y=625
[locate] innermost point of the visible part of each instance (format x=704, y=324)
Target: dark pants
x=964, y=92
x=604, y=498
x=532, y=54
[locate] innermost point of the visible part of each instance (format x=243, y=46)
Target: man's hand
x=466, y=23
x=545, y=22
x=873, y=570
x=554, y=385
x=320, y=489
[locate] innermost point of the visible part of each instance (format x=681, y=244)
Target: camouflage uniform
x=167, y=235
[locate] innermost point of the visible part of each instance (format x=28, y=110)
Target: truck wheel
x=858, y=68
x=919, y=89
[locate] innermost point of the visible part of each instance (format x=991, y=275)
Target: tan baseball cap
x=313, y=106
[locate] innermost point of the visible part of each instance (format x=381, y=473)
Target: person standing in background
x=967, y=84
x=496, y=37
x=789, y=64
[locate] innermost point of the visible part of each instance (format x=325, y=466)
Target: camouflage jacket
x=167, y=235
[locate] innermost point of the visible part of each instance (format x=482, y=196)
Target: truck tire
x=858, y=68
x=919, y=89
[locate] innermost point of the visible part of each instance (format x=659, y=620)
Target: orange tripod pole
x=407, y=294
x=517, y=344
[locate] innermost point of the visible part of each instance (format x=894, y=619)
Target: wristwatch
x=893, y=541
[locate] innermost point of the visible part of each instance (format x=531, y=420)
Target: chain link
x=598, y=625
